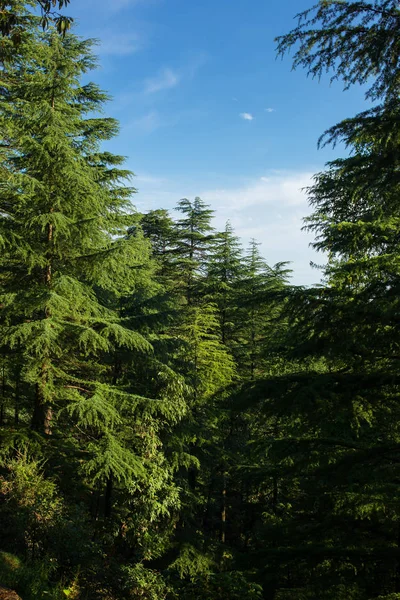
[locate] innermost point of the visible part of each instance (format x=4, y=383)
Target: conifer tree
x=336, y=453
x=71, y=354
x=176, y=421
x=158, y=227
x=258, y=306
x=61, y=202
x=224, y=272
x=17, y=17
x=194, y=234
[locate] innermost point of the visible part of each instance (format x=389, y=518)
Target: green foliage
x=325, y=473
x=209, y=365
x=224, y=272
x=139, y=582
x=357, y=41
x=14, y=18
x=72, y=350
x=33, y=503
x=219, y=586
x=176, y=421
x=194, y=234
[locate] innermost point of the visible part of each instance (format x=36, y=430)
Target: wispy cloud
x=153, y=120
x=147, y=179
x=246, y=116
x=102, y=9
x=167, y=78
x=117, y=5
x=194, y=63
x=120, y=4
x=270, y=110
x=270, y=209
x=119, y=44
x=147, y=123
x=275, y=189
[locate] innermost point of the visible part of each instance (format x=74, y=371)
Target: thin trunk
x=117, y=370
x=253, y=361
x=223, y=323
x=37, y=417
x=223, y=512
x=48, y=420
x=192, y=474
x=3, y=394
x=206, y=517
x=109, y=482
x=163, y=259
x=95, y=503
x=108, y=498
x=274, y=493
x=190, y=277
x=17, y=396
x=50, y=234
x=43, y=412
x=275, y=480
x=397, y=573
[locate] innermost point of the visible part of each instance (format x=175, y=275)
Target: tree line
x=177, y=420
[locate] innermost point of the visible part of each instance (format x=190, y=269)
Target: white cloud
x=269, y=110
x=194, y=64
x=270, y=209
x=168, y=78
x=119, y=44
x=148, y=123
x=105, y=8
x=276, y=189
x=117, y=5
x=155, y=120
x=246, y=116
x=146, y=179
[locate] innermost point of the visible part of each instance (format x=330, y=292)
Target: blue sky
x=207, y=110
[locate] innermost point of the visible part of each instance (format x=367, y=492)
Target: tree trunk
x=42, y=412
x=3, y=396
x=223, y=512
x=16, y=396
x=108, y=498
x=397, y=573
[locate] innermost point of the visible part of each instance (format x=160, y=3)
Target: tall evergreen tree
x=158, y=227
x=61, y=203
x=337, y=442
x=66, y=267
x=258, y=307
x=223, y=275
x=194, y=234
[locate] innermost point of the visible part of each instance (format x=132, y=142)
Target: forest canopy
x=177, y=419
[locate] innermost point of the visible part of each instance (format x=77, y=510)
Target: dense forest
x=177, y=420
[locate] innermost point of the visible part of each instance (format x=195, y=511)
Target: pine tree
x=223, y=275
x=336, y=447
x=61, y=203
x=71, y=352
x=258, y=307
x=194, y=234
